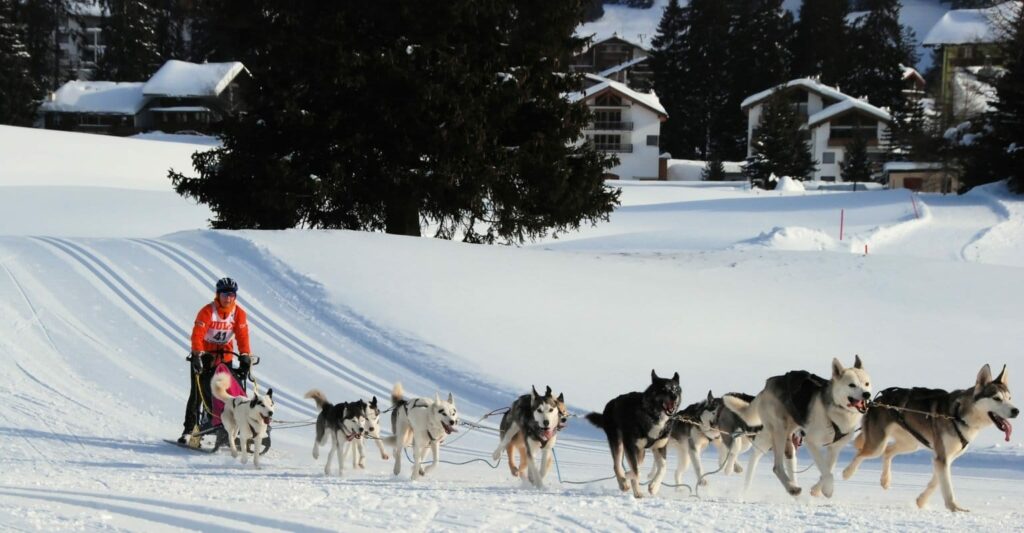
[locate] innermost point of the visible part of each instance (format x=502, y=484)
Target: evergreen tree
x=132, y=51
x=779, y=147
x=670, y=77
x=704, y=96
x=387, y=115
x=879, y=46
x=714, y=170
x=821, y=44
x=856, y=167
x=18, y=90
x=40, y=21
x=759, y=48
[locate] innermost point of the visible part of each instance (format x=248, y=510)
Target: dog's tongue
x=1007, y=428
x=448, y=429
x=546, y=434
x=266, y=420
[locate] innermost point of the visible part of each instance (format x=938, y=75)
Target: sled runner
x=209, y=433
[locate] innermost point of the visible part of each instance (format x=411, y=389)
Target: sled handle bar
x=254, y=358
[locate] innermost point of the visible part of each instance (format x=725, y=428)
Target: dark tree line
x=398, y=116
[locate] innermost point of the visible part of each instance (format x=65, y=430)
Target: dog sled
x=209, y=434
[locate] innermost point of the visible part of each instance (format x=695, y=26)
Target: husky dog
x=518, y=444
x=695, y=427
x=826, y=411
x=636, y=421
x=533, y=420
x=346, y=423
x=944, y=422
x=423, y=423
x=737, y=435
x=371, y=431
x=250, y=418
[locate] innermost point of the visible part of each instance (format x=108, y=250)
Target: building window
x=830, y=179
x=608, y=99
x=828, y=158
x=652, y=140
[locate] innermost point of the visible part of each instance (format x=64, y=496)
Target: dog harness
x=956, y=420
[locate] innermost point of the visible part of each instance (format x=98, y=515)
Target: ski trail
x=157, y=321
x=272, y=327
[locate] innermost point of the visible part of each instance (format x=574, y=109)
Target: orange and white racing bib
x=221, y=330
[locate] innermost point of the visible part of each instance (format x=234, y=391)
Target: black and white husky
x=347, y=423
x=243, y=418
x=737, y=435
x=372, y=428
x=945, y=422
x=826, y=412
x=636, y=421
x=423, y=423
x=536, y=419
x=695, y=427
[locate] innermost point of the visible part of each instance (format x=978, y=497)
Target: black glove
x=196, y=358
x=244, y=362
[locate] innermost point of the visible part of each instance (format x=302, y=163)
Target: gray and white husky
x=695, y=427
x=534, y=418
x=244, y=418
x=423, y=423
x=737, y=435
x=945, y=422
x=826, y=411
x=348, y=423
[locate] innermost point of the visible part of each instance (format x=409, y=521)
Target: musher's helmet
x=226, y=285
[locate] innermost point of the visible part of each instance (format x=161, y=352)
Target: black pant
x=195, y=403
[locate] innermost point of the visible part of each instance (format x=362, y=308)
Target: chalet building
x=616, y=59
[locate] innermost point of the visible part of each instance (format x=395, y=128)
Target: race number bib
x=222, y=330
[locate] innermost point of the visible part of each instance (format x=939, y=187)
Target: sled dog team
x=794, y=409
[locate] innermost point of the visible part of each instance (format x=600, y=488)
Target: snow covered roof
x=598, y=39
x=648, y=100
x=962, y=26
x=897, y=166
x=105, y=97
x=844, y=106
x=183, y=79
x=807, y=83
x=621, y=66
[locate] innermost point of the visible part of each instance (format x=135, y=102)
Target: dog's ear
x=373, y=402
x=561, y=397
x=984, y=378
x=533, y=393
x=856, y=362
x=1002, y=377
x=837, y=368
x=270, y=393
x=437, y=397
x=711, y=397
x=451, y=399
x=675, y=377
x=654, y=376
x=547, y=393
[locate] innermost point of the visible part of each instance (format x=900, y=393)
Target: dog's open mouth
x=448, y=428
x=669, y=407
x=546, y=434
x=859, y=404
x=266, y=420
x=1002, y=424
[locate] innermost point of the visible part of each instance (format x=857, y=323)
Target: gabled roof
x=809, y=84
x=849, y=104
x=184, y=79
x=613, y=37
x=100, y=97
x=965, y=26
x=648, y=100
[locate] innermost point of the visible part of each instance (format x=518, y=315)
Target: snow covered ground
x=102, y=268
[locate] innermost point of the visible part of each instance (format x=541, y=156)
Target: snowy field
x=103, y=267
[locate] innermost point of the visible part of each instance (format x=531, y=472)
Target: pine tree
x=714, y=170
x=879, y=45
x=132, y=51
x=18, y=90
x=856, y=167
x=822, y=40
x=669, y=76
x=759, y=48
x=40, y=20
x=389, y=115
x=779, y=147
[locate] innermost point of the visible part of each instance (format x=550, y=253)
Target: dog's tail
x=744, y=409
x=319, y=398
x=397, y=393
x=219, y=386
x=596, y=418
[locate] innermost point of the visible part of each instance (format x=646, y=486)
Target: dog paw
x=921, y=501
x=952, y=506
x=848, y=472
x=496, y=455
x=385, y=456
x=622, y=484
x=737, y=468
x=703, y=482
x=794, y=490
x=886, y=480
